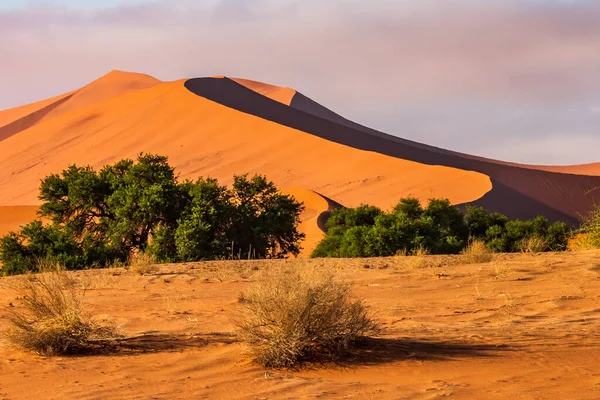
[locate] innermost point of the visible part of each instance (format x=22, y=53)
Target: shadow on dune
x=324, y=216
x=533, y=192
x=30, y=120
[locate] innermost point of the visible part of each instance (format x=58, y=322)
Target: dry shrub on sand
x=52, y=320
x=143, y=263
x=291, y=316
x=533, y=245
x=590, y=229
x=418, y=258
x=414, y=259
x=476, y=253
x=581, y=242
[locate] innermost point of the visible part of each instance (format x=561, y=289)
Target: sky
x=517, y=80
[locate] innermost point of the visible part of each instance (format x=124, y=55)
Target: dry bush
x=533, y=245
x=581, y=242
x=476, y=253
x=52, y=319
x=418, y=259
x=502, y=271
x=590, y=227
x=143, y=263
x=289, y=317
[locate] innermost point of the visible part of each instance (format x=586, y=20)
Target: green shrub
x=440, y=228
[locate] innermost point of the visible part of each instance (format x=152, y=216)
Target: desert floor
x=520, y=327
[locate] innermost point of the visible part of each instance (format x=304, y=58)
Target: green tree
x=132, y=206
x=449, y=227
x=264, y=221
x=202, y=229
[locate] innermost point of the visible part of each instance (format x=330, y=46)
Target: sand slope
x=202, y=137
x=13, y=217
x=111, y=85
x=219, y=127
x=521, y=327
x=282, y=95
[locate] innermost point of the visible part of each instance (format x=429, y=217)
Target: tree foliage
x=440, y=228
x=97, y=217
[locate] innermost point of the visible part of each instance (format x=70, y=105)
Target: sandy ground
x=520, y=327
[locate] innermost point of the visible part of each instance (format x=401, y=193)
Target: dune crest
x=316, y=211
x=280, y=94
x=111, y=85
x=114, y=84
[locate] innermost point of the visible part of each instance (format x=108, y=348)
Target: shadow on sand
x=374, y=351
x=370, y=351
x=155, y=342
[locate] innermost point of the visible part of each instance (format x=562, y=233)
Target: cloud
x=394, y=65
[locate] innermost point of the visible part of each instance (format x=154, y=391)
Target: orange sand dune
x=220, y=127
x=13, y=217
x=113, y=84
x=13, y=114
x=204, y=138
x=316, y=211
x=282, y=95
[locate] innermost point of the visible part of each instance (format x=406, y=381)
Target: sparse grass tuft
x=52, y=319
x=581, y=242
x=533, y=245
x=143, y=263
x=418, y=259
x=289, y=317
x=590, y=229
x=502, y=271
x=476, y=253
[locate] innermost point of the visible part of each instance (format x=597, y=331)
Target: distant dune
x=317, y=210
x=114, y=84
x=219, y=127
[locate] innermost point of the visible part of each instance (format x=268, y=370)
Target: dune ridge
x=114, y=84
x=219, y=127
x=280, y=94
